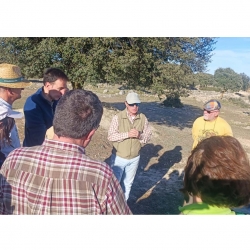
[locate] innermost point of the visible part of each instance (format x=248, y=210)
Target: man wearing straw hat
x=39, y=108
x=11, y=85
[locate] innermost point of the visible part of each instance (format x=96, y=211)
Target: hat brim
x=16, y=85
x=132, y=100
x=211, y=109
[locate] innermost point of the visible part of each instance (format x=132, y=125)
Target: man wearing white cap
x=128, y=130
x=11, y=85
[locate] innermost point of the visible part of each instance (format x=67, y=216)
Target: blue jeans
x=242, y=210
x=124, y=170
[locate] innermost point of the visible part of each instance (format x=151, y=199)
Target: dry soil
x=159, y=177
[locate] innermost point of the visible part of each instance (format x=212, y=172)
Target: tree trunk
x=77, y=85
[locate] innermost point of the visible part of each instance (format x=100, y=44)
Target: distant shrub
x=173, y=102
x=248, y=97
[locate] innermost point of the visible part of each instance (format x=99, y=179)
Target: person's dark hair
x=53, y=74
x=77, y=113
x=6, y=124
x=218, y=172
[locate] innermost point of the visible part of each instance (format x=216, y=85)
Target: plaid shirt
x=114, y=135
x=58, y=178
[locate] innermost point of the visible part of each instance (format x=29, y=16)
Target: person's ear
x=88, y=137
x=10, y=91
x=47, y=84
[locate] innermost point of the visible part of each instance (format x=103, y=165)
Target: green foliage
x=205, y=79
x=227, y=79
x=173, y=102
x=165, y=64
x=246, y=81
x=171, y=80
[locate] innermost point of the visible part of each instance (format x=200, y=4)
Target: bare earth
x=159, y=177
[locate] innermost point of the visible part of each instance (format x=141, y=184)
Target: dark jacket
x=39, y=114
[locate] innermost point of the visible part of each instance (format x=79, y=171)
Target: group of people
x=217, y=173
x=54, y=176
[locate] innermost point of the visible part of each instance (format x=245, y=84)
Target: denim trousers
x=124, y=170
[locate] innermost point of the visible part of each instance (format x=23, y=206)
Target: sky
x=231, y=52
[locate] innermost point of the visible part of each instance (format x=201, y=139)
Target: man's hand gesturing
x=134, y=133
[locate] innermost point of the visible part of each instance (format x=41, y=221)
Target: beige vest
x=130, y=147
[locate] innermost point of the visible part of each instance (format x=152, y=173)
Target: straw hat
x=11, y=77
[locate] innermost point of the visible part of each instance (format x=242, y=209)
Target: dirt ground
x=159, y=177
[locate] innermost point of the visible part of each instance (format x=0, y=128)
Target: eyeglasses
x=209, y=112
x=133, y=104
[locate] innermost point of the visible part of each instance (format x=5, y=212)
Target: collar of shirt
x=131, y=117
x=5, y=103
x=64, y=146
x=45, y=98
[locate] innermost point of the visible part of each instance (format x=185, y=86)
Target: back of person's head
x=6, y=125
x=218, y=172
x=78, y=112
x=7, y=122
x=53, y=74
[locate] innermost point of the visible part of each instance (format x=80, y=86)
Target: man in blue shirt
x=39, y=108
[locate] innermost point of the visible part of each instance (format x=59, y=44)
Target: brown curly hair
x=218, y=172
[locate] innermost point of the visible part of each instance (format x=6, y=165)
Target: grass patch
x=210, y=89
x=239, y=102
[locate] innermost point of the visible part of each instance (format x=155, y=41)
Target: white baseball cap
x=132, y=97
x=6, y=111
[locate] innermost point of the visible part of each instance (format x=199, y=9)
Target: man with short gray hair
x=128, y=130
x=57, y=177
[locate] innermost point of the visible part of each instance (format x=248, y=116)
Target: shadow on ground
x=175, y=117
x=154, y=191
x=36, y=81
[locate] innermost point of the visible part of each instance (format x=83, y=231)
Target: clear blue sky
x=231, y=52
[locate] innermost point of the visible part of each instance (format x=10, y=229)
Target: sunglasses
x=133, y=104
x=209, y=112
